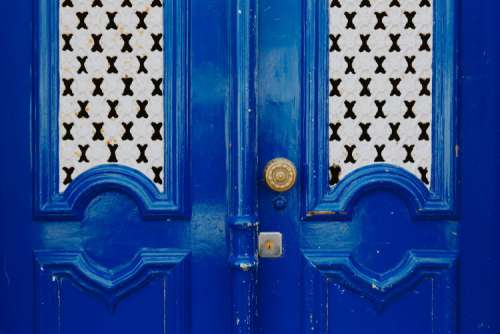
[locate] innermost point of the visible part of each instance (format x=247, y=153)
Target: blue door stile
x=242, y=155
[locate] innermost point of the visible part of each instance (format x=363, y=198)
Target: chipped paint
x=245, y=266
x=320, y=212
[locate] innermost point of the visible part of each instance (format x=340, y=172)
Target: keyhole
x=270, y=244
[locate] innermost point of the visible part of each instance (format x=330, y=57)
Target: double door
x=301, y=166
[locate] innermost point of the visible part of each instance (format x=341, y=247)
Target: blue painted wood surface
x=242, y=152
x=380, y=253
x=332, y=203
x=48, y=202
x=114, y=256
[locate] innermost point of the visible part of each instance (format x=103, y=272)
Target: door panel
x=86, y=155
x=69, y=282
x=390, y=112
x=86, y=111
x=479, y=260
x=372, y=245
x=114, y=250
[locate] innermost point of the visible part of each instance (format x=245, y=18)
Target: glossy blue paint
x=379, y=252
x=438, y=268
x=242, y=153
x=49, y=202
x=117, y=256
x=333, y=202
x=112, y=263
x=110, y=284
x=479, y=165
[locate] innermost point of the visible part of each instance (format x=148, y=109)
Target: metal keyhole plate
x=270, y=244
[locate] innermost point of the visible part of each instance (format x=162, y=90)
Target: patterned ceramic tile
x=380, y=69
x=111, y=88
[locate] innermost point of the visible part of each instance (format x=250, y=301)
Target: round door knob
x=280, y=174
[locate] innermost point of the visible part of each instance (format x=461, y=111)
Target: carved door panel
x=363, y=97
x=115, y=193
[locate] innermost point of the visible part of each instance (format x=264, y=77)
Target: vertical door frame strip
x=241, y=165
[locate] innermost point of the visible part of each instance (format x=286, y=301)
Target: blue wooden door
x=388, y=111
x=135, y=135
x=120, y=174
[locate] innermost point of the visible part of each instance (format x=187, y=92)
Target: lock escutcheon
x=270, y=244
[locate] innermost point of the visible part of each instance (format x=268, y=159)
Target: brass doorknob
x=280, y=174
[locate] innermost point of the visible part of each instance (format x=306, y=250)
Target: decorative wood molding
x=49, y=203
x=241, y=127
x=113, y=285
x=322, y=202
x=321, y=268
